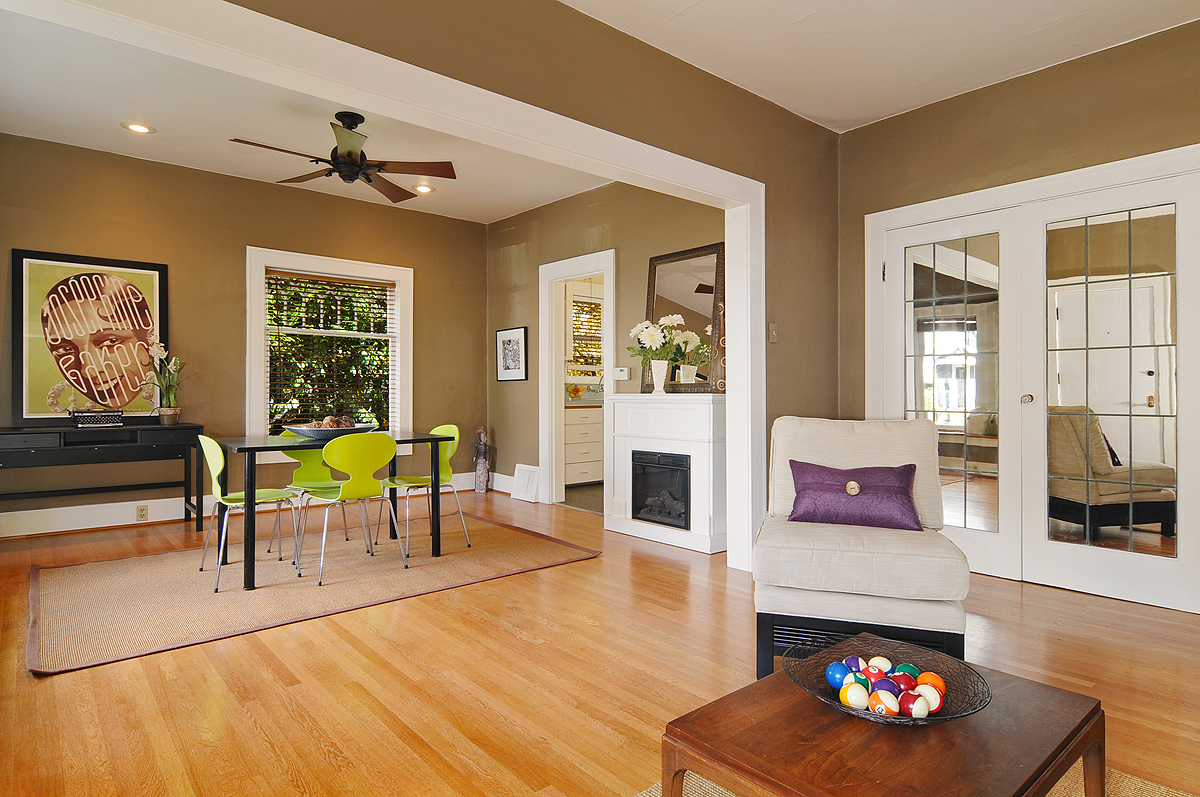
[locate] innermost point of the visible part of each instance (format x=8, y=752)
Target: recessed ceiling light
x=423, y=189
x=138, y=128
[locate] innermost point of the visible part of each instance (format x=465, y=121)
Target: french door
x=951, y=304
x=1052, y=345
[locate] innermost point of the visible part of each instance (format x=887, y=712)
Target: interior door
x=1108, y=472
x=952, y=288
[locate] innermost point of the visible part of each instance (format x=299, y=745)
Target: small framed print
x=512, y=354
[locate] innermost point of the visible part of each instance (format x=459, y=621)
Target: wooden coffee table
x=774, y=738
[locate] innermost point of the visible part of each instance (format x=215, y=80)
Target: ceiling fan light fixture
x=137, y=127
x=423, y=189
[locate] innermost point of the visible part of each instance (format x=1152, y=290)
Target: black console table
x=42, y=446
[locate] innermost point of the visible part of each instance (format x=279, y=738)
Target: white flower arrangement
x=663, y=341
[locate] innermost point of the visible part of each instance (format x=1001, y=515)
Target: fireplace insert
x=662, y=488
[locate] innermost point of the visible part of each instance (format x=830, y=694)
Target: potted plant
x=658, y=344
x=695, y=352
x=164, y=374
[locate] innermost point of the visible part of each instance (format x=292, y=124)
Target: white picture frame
x=512, y=354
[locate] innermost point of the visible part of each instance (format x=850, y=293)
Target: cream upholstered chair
x=819, y=583
x=1087, y=488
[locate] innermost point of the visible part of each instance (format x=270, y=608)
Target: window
x=329, y=349
x=326, y=336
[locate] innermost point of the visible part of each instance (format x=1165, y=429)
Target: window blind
x=330, y=349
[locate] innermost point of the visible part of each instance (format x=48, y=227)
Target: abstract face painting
x=98, y=327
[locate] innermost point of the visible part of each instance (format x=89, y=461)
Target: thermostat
x=620, y=373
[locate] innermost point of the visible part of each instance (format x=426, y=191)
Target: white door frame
x=236, y=40
x=1162, y=581
x=552, y=279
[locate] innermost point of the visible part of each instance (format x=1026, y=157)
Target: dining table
x=250, y=447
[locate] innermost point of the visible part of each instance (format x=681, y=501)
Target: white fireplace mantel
x=674, y=423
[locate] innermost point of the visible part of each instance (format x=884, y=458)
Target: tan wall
x=200, y=224
x=1131, y=100
x=549, y=55
x=638, y=224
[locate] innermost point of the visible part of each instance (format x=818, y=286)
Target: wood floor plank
x=556, y=682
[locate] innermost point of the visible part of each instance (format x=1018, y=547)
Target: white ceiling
x=72, y=87
x=847, y=63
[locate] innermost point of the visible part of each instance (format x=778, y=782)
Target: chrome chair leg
x=404, y=546
x=212, y=520
x=362, y=519
x=324, y=531
x=221, y=542
x=460, y=516
x=276, y=532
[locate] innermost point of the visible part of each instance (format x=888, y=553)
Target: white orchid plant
x=165, y=373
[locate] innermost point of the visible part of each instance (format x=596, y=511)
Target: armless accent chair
x=313, y=474
x=411, y=484
x=359, y=456
x=214, y=455
x=818, y=583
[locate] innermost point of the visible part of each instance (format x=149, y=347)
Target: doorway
x=583, y=394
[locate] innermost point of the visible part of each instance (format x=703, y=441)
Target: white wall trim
x=243, y=42
x=258, y=260
x=551, y=413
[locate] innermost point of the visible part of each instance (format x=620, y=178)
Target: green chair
x=214, y=455
x=313, y=474
x=359, y=456
x=410, y=484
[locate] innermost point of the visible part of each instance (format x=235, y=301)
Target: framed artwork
x=82, y=329
x=512, y=354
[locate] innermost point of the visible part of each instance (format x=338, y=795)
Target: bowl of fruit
x=889, y=682
x=330, y=427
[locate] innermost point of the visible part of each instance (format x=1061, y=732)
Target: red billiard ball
x=913, y=704
x=874, y=673
x=883, y=702
x=903, y=680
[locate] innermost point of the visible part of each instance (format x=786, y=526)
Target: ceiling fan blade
x=304, y=178
x=702, y=288
x=422, y=168
x=277, y=149
x=349, y=142
x=389, y=189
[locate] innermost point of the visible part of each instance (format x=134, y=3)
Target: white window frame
x=258, y=260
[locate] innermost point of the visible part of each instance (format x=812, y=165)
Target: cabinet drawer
x=584, y=452
x=31, y=440
x=583, y=472
x=166, y=435
x=593, y=432
x=575, y=417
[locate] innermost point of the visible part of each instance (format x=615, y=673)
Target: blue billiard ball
x=835, y=674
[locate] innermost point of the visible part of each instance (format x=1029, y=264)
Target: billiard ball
x=883, y=702
x=913, y=704
x=932, y=696
x=855, y=663
x=859, y=678
x=882, y=662
x=836, y=674
x=903, y=680
x=874, y=673
x=908, y=669
x=854, y=696
x=934, y=680
x=886, y=685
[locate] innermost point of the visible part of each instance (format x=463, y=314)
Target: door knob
x=1027, y=398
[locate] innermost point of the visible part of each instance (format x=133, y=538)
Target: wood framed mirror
x=691, y=283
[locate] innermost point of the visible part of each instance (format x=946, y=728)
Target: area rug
x=87, y=614
x=1116, y=784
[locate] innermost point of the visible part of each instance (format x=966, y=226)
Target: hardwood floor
x=558, y=681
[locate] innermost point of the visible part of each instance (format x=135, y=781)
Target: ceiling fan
x=348, y=161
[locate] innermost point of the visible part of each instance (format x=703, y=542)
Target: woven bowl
x=966, y=690
x=329, y=434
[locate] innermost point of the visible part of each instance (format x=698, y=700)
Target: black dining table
x=250, y=447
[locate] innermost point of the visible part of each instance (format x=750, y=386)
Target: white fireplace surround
x=675, y=423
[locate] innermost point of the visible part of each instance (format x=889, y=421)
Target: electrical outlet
x=143, y=513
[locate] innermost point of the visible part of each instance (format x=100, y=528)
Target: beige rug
x=88, y=614
x=1116, y=784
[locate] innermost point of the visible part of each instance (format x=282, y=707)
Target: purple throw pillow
x=876, y=496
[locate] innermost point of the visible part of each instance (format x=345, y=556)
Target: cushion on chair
x=1071, y=431
x=947, y=616
x=856, y=444
x=864, y=561
x=880, y=497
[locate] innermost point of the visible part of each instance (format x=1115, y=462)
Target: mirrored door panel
x=1111, y=372
x=952, y=368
